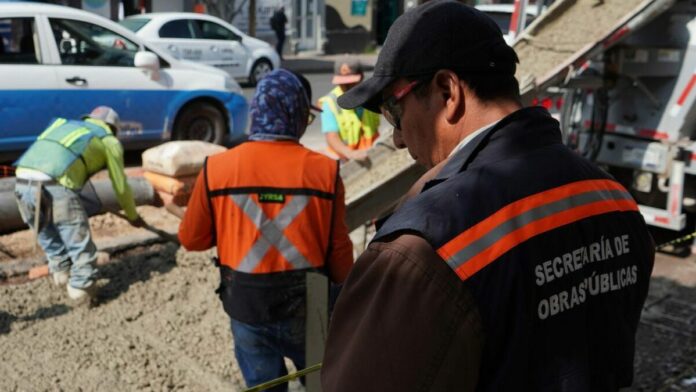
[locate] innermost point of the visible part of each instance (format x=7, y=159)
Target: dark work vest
x=553, y=250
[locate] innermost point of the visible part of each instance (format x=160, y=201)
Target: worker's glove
x=138, y=222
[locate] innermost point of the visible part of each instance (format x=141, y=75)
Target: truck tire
x=261, y=68
x=200, y=121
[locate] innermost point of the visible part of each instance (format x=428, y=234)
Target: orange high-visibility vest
x=271, y=214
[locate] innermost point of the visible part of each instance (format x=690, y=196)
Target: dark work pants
x=260, y=349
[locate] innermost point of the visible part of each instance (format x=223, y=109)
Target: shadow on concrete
x=665, y=357
x=135, y=265
x=6, y=319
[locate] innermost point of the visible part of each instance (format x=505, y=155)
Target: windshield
x=134, y=24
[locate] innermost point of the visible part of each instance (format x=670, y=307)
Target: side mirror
x=148, y=62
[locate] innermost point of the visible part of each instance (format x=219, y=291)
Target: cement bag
x=179, y=158
x=173, y=186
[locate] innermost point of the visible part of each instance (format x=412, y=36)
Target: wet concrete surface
x=666, y=339
x=157, y=325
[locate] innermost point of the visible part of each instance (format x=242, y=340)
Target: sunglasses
x=390, y=107
x=311, y=118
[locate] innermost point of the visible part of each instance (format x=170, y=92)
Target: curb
x=35, y=268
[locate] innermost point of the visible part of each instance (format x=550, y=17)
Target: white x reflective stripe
x=272, y=232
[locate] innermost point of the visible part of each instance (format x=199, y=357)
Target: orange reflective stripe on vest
x=273, y=205
x=480, y=245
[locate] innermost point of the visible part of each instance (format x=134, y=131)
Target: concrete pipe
x=11, y=220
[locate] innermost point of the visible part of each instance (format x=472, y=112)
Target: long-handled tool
x=150, y=228
x=284, y=379
x=37, y=214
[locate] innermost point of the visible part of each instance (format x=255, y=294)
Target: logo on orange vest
x=271, y=198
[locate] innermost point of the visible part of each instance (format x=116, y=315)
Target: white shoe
x=60, y=278
x=78, y=294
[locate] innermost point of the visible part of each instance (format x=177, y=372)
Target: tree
x=252, y=18
x=224, y=9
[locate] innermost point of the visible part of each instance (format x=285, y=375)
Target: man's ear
x=450, y=94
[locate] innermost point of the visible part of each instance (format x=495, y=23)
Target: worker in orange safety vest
x=275, y=210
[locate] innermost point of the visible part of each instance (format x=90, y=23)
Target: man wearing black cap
x=275, y=211
x=514, y=264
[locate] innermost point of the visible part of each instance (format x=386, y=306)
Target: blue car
x=61, y=62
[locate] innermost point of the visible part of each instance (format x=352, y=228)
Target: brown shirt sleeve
x=403, y=322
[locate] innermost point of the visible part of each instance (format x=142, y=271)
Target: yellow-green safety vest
x=60, y=145
x=356, y=133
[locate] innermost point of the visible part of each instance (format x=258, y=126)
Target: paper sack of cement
x=178, y=158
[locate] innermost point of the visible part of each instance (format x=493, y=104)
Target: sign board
x=358, y=7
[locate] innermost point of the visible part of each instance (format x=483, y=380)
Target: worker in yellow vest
x=349, y=132
x=50, y=176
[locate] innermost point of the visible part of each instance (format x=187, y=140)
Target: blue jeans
x=260, y=349
x=64, y=234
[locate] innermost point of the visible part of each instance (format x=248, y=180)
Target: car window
x=134, y=24
x=18, y=41
x=82, y=43
x=177, y=29
x=212, y=30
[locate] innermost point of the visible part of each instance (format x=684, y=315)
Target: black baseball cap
x=440, y=34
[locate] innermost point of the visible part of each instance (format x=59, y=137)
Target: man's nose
x=398, y=140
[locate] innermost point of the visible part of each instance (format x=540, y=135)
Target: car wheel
x=200, y=121
x=261, y=68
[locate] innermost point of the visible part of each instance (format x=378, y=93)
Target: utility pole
x=252, y=18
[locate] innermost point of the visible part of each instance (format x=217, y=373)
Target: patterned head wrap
x=280, y=108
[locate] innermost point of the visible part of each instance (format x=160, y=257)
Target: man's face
x=418, y=124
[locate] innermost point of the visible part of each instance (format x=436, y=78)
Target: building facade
x=328, y=26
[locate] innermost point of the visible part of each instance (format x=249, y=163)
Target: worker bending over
x=51, y=174
x=275, y=210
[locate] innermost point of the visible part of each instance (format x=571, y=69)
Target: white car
x=58, y=61
x=208, y=40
